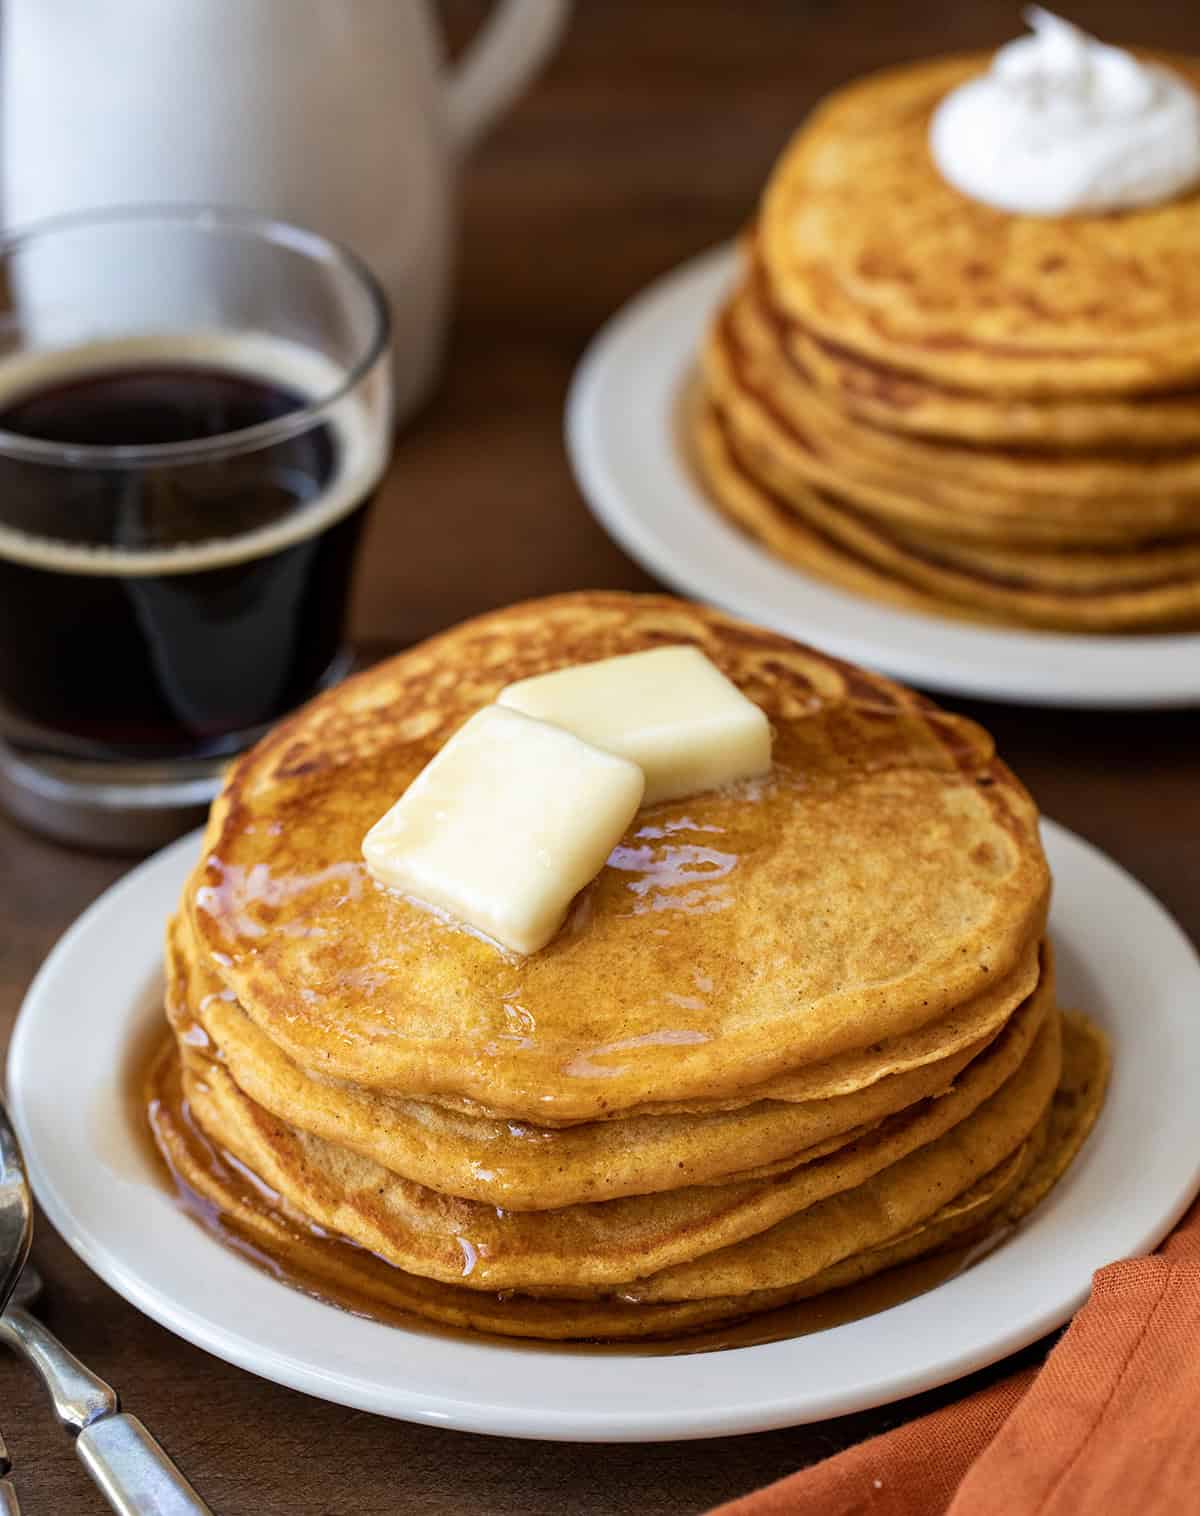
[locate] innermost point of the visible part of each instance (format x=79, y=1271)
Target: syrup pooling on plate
x=310, y=1259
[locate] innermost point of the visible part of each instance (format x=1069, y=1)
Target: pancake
x=888, y=1204
x=1082, y=1086
x=924, y=490
x=214, y=1184
x=993, y=1106
x=1073, y=569
x=194, y=982
x=520, y=1167
x=998, y=1200
x=868, y=247
x=821, y=534
x=765, y=515
x=1148, y=490
x=902, y=402
x=884, y=874
x=798, y=1030
x=800, y=1248
x=951, y=409
x=976, y=1021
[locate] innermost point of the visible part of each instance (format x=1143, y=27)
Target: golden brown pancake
x=950, y=408
x=997, y=1198
x=902, y=402
x=977, y=1020
x=798, y=1030
x=867, y=246
x=520, y=1167
x=919, y=524
x=889, y=1203
x=925, y=492
x=278, y=1238
x=765, y=515
x=884, y=874
x=993, y=1198
x=820, y=532
x=993, y=1106
x=1147, y=491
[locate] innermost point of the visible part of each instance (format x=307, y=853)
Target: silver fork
x=131, y=1469
x=16, y=1233
x=128, y=1466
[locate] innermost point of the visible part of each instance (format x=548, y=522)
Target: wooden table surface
x=645, y=142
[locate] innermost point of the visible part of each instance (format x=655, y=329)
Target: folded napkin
x=1109, y=1423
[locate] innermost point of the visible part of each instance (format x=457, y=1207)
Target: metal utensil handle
x=16, y=1208
x=9, y=1505
x=135, y=1475
x=79, y=1396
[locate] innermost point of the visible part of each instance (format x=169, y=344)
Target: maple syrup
x=342, y=1274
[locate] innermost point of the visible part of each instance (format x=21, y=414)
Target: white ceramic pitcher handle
x=516, y=40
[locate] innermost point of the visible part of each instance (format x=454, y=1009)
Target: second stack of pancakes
x=952, y=408
x=797, y=1031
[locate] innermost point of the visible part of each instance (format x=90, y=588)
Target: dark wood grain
x=646, y=141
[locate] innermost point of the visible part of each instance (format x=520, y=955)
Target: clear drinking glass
x=195, y=409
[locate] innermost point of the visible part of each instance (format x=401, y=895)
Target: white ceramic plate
x=85, y=1020
x=624, y=442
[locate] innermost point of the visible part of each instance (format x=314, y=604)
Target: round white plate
x=86, y=1017
x=623, y=436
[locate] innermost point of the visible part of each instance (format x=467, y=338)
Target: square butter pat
x=505, y=826
x=669, y=710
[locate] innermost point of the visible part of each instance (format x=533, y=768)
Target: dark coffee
x=168, y=607
x=138, y=406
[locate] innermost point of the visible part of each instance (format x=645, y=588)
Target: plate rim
x=551, y=1420
x=649, y=345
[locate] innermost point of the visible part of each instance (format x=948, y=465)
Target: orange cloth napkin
x=1110, y=1423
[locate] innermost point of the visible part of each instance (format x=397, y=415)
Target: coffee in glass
x=180, y=498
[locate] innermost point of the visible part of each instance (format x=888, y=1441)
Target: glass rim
x=219, y=219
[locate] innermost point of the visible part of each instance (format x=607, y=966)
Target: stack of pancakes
x=798, y=1030
x=955, y=409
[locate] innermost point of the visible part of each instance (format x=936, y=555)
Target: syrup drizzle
x=344, y=1275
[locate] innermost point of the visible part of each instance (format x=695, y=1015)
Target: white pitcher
x=332, y=113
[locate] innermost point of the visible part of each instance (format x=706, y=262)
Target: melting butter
x=505, y=825
x=669, y=710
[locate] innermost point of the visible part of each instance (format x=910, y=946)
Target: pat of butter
x=669, y=710
x=505, y=826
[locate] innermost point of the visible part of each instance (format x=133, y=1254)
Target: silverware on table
x=16, y=1233
x=128, y=1466
x=8, y=1496
x=16, y=1209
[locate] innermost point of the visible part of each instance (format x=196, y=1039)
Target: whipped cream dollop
x=1064, y=124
